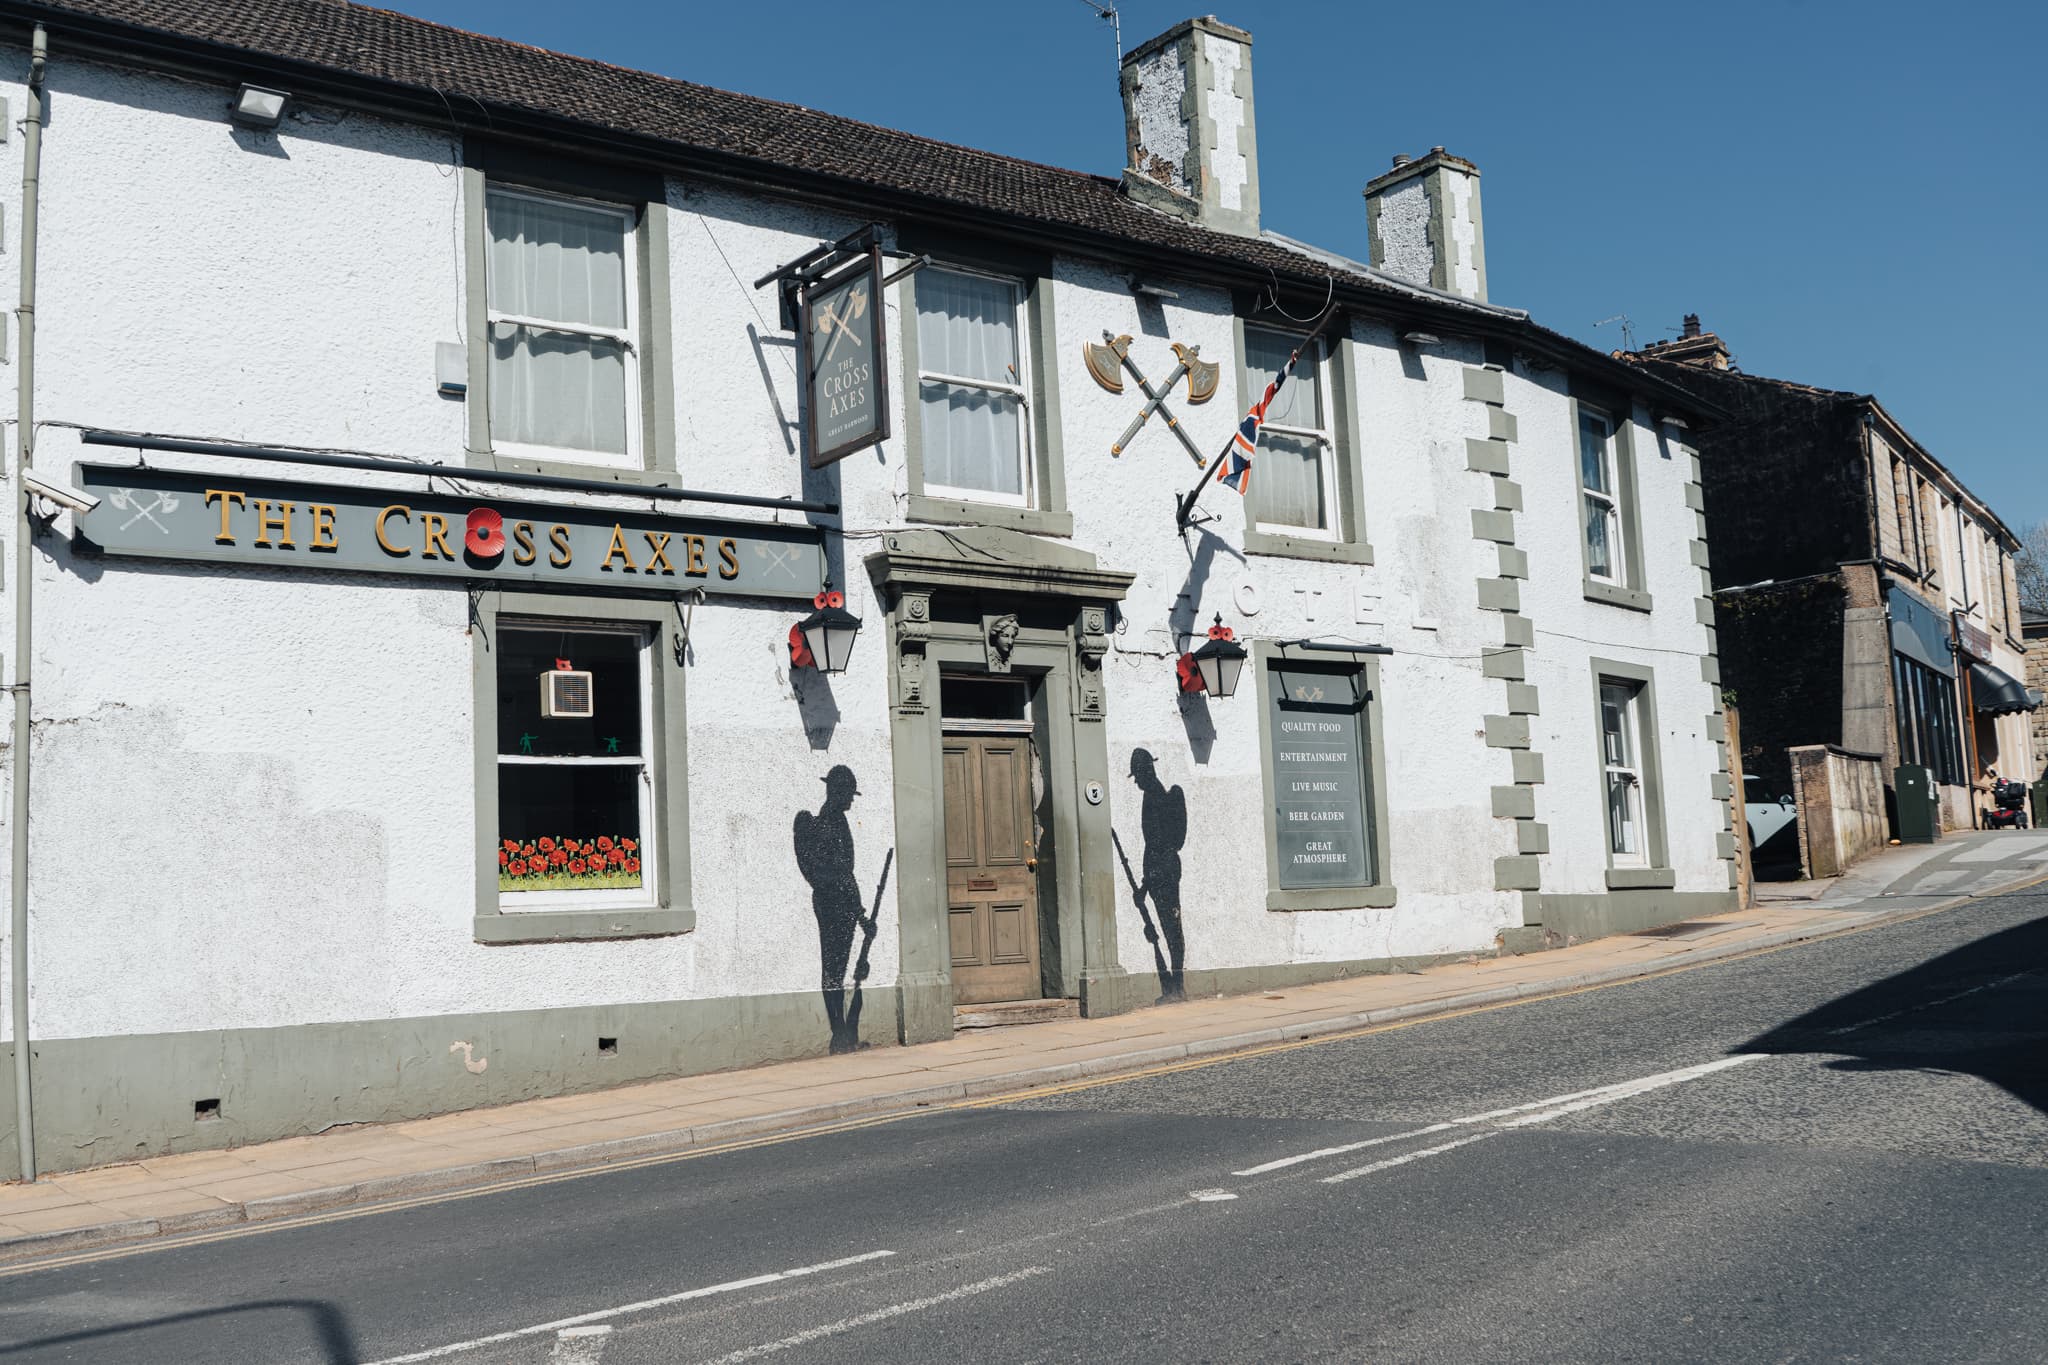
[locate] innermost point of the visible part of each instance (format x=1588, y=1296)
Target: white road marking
x=894, y=1310
x=580, y=1345
x=1407, y=1157
x=1910, y=1009
x=1321, y=1152
x=454, y=1348
x=1210, y=1196
x=1514, y=1116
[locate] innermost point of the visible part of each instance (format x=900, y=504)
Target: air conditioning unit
x=565, y=693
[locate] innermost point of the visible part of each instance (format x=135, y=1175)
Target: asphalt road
x=1834, y=1152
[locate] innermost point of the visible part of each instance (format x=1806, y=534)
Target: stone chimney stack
x=1422, y=223
x=1690, y=347
x=1188, y=127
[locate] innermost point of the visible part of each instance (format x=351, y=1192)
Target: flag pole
x=1186, y=507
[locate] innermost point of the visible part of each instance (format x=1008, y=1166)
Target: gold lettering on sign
x=657, y=542
x=224, y=497
x=435, y=533
x=558, y=536
x=617, y=550
x=693, y=563
x=323, y=527
x=404, y=514
x=280, y=523
x=728, y=558
x=522, y=542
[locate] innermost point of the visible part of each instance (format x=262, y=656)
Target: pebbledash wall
x=254, y=854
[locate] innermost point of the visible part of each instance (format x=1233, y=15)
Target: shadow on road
x=1981, y=1010
x=334, y=1343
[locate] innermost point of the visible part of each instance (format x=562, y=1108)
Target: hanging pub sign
x=170, y=514
x=847, y=400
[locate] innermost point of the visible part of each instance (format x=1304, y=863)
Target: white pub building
x=529, y=575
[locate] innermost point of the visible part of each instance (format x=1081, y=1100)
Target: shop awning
x=1998, y=693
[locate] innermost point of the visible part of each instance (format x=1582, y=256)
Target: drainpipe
x=25, y=400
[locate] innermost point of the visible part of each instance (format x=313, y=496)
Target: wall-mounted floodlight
x=1152, y=291
x=256, y=107
x=1422, y=338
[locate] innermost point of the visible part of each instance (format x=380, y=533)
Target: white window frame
x=1027, y=443
x=1628, y=769
x=1324, y=435
x=1609, y=498
x=598, y=898
x=628, y=337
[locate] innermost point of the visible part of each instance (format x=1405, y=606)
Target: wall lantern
x=1215, y=667
x=824, y=639
x=256, y=107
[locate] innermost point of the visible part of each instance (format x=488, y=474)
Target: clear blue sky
x=1852, y=192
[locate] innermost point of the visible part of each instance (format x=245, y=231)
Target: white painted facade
x=253, y=789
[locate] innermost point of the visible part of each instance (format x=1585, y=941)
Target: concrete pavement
x=192, y=1193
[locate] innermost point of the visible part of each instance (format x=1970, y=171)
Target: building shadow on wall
x=1981, y=1010
x=1184, y=623
x=1163, y=821
x=824, y=854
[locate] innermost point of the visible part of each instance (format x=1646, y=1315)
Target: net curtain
x=1287, y=477
x=563, y=263
x=973, y=437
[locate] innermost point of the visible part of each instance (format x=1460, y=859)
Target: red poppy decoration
x=485, y=533
x=799, y=652
x=1190, y=674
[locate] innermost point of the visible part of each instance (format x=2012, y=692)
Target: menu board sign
x=1320, y=799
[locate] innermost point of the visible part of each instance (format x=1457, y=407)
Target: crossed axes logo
x=1106, y=360
x=129, y=500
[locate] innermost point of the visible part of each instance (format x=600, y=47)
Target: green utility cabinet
x=1919, y=802
x=2040, y=793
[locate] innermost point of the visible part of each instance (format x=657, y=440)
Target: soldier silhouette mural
x=824, y=854
x=1163, y=819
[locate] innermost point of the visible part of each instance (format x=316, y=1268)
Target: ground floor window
x=1924, y=706
x=1320, y=744
x=575, y=781
x=1622, y=771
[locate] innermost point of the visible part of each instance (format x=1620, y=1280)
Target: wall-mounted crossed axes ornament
x=1108, y=358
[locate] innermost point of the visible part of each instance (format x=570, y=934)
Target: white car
x=1766, y=816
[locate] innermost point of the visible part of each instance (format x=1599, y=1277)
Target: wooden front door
x=991, y=868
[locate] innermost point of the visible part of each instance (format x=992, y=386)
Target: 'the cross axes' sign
x=275, y=523
x=847, y=398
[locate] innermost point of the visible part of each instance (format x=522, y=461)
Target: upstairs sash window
x=562, y=370
x=1293, y=481
x=1600, y=512
x=974, y=407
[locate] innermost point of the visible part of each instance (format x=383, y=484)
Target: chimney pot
x=1692, y=324
x=1402, y=158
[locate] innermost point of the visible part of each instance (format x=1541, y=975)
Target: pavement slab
x=480, y=1147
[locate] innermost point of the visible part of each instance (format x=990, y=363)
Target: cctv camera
x=63, y=495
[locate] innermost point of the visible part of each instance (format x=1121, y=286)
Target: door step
x=999, y=1013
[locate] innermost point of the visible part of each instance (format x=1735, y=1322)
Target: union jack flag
x=1234, y=467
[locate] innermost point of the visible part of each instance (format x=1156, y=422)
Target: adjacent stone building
x=1865, y=598
x=438, y=706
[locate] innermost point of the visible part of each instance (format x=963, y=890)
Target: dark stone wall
x=1786, y=481
x=1781, y=657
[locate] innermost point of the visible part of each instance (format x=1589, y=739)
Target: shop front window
x=574, y=783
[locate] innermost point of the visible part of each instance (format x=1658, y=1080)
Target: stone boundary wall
x=1839, y=795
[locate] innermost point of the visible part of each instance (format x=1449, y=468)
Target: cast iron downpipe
x=24, y=567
